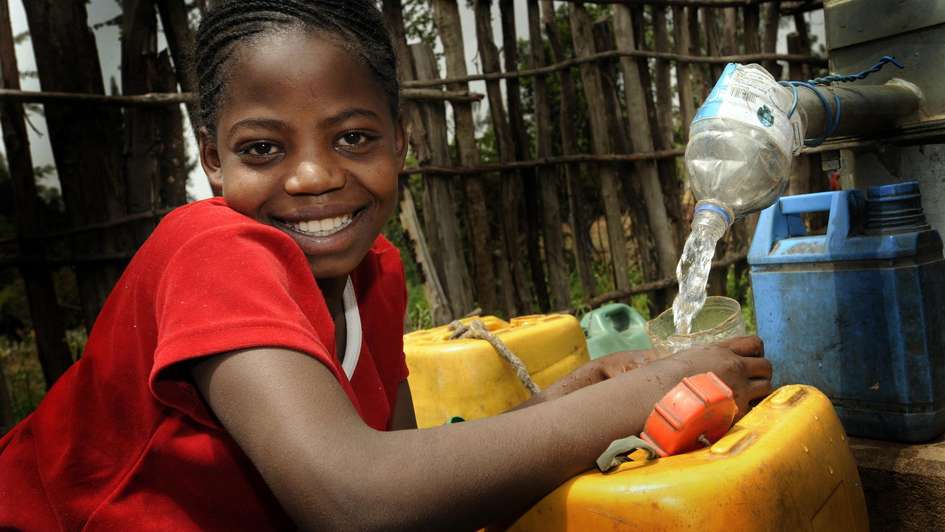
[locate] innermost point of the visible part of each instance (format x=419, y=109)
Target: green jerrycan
x=614, y=327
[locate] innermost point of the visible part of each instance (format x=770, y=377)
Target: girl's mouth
x=322, y=228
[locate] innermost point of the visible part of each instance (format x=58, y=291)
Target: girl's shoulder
x=205, y=214
x=212, y=221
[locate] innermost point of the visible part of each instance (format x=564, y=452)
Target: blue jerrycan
x=858, y=312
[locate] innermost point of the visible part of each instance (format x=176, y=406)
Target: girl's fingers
x=746, y=346
x=758, y=368
x=758, y=388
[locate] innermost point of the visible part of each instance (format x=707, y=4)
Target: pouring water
x=693, y=268
x=741, y=144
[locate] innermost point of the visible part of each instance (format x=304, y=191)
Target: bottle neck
x=713, y=218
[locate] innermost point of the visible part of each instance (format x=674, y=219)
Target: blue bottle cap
x=706, y=206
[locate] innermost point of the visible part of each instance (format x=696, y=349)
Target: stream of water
x=693, y=275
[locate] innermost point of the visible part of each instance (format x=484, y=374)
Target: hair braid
x=357, y=24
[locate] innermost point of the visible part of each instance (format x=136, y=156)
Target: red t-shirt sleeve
x=233, y=287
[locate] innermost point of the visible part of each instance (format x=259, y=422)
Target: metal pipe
x=864, y=110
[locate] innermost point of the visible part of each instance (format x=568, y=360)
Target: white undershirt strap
x=353, y=326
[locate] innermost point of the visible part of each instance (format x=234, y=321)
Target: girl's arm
x=331, y=471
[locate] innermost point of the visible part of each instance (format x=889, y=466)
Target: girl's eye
x=260, y=150
x=354, y=140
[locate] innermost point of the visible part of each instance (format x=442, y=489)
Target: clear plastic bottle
x=742, y=141
x=741, y=146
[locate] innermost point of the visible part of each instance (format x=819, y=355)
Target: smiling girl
x=247, y=371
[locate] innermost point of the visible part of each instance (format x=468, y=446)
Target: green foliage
x=76, y=340
x=23, y=374
x=13, y=306
x=418, y=309
x=418, y=21
x=738, y=287
x=19, y=365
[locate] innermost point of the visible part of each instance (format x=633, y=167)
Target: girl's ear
x=210, y=160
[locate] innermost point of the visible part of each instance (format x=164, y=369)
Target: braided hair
x=357, y=25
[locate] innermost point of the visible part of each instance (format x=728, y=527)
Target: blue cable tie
x=833, y=120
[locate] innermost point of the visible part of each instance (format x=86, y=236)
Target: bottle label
x=752, y=97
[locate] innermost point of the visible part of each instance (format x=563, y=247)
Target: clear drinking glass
x=719, y=319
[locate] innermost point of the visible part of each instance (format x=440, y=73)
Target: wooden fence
x=584, y=140
x=512, y=243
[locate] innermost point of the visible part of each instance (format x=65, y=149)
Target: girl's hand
x=739, y=362
x=731, y=352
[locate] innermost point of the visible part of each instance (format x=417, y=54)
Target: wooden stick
x=143, y=100
x=681, y=40
x=769, y=42
x=160, y=99
x=613, y=54
x=418, y=248
x=433, y=289
x=701, y=74
x=509, y=192
x=559, y=290
x=803, y=7
x=437, y=95
x=115, y=222
x=653, y=286
x=583, y=259
x=45, y=313
x=528, y=187
x=413, y=121
x=662, y=99
x=602, y=143
x=670, y=3
x=442, y=224
x=545, y=161
x=83, y=139
x=449, y=27
x=642, y=136
x=177, y=32
x=34, y=261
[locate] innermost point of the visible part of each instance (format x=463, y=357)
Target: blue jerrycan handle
x=783, y=220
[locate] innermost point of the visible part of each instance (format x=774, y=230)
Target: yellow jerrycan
x=784, y=466
x=467, y=378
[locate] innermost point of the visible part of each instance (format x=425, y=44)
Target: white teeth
x=324, y=227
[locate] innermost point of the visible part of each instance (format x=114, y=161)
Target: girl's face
x=306, y=143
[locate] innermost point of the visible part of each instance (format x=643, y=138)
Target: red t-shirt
x=124, y=441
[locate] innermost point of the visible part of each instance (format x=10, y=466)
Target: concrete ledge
x=904, y=484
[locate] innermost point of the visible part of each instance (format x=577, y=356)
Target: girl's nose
x=312, y=178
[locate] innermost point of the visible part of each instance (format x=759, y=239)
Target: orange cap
x=695, y=413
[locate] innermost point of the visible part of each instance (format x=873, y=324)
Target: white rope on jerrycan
x=475, y=329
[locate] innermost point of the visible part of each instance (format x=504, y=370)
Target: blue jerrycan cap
x=895, y=208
